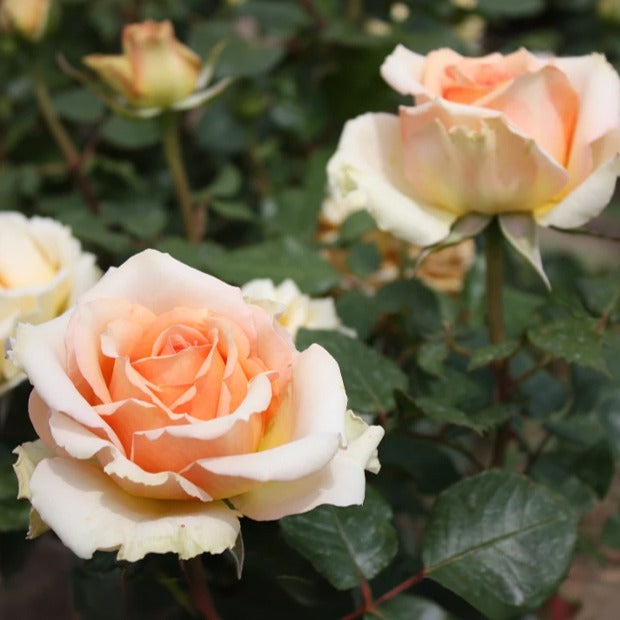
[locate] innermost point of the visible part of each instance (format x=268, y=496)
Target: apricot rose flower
x=167, y=407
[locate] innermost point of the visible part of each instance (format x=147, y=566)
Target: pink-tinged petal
x=184, y=287
x=368, y=171
x=403, y=70
x=598, y=86
x=231, y=475
x=40, y=351
x=89, y=512
x=543, y=106
x=174, y=447
x=340, y=483
x=586, y=200
x=469, y=159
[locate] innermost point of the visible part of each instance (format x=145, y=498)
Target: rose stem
x=494, y=255
x=62, y=138
x=197, y=580
x=194, y=218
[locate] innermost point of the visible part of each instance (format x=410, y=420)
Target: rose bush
x=154, y=70
x=497, y=135
x=162, y=394
x=293, y=309
x=42, y=271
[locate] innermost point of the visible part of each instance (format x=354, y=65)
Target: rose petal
x=231, y=475
x=340, y=483
x=586, y=201
x=40, y=351
x=598, y=86
x=403, y=70
x=174, y=447
x=184, y=287
x=542, y=105
x=368, y=168
x=469, y=159
x=89, y=512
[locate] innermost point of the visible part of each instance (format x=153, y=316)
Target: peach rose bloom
x=42, y=271
x=497, y=135
x=154, y=70
x=28, y=17
x=162, y=394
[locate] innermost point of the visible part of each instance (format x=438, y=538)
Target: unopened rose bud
x=27, y=17
x=155, y=69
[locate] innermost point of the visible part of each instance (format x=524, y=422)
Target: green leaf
x=600, y=294
x=278, y=260
x=226, y=184
x=233, y=210
x=426, y=462
x=485, y=355
x=431, y=356
x=502, y=8
x=479, y=421
x=407, y=607
x=500, y=541
x=358, y=311
x=416, y=302
x=131, y=134
x=611, y=532
x=551, y=470
x=369, y=378
x=14, y=513
x=79, y=105
x=196, y=255
x=344, y=544
x=575, y=339
x=363, y=259
x=356, y=225
x=246, y=58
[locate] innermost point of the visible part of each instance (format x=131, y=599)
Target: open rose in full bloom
x=42, y=271
x=528, y=138
x=154, y=70
x=164, y=393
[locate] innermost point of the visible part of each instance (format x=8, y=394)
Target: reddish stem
x=390, y=594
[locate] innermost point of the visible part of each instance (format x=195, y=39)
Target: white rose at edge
x=294, y=309
x=42, y=271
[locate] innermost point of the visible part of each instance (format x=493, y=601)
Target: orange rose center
x=181, y=367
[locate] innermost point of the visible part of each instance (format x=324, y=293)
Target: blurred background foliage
x=256, y=158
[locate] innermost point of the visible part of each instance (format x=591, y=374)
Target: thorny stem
x=494, y=255
x=194, y=216
x=66, y=145
x=199, y=589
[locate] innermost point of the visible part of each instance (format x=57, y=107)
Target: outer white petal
x=403, y=70
x=29, y=455
x=139, y=280
x=340, y=483
x=89, y=513
x=586, y=200
x=368, y=169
